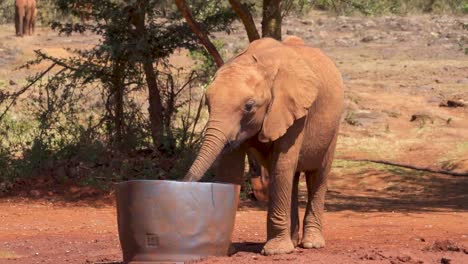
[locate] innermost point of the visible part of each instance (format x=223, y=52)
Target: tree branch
x=24, y=89
x=242, y=11
x=185, y=11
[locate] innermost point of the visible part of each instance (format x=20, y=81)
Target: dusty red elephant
x=282, y=102
x=25, y=17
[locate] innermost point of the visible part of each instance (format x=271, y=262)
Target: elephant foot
x=278, y=246
x=313, y=239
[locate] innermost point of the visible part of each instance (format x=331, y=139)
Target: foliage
x=296, y=7
x=463, y=43
x=47, y=12
x=88, y=113
x=204, y=63
x=367, y=7
x=7, y=11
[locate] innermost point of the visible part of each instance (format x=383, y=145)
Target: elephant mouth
x=230, y=146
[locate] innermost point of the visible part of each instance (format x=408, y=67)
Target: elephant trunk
x=213, y=144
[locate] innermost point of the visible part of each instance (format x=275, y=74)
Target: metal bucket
x=162, y=221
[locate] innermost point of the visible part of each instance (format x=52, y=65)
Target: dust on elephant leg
x=33, y=21
x=313, y=239
x=33, y=16
x=19, y=20
x=17, y=23
x=277, y=246
x=279, y=219
x=283, y=183
x=316, y=188
x=27, y=22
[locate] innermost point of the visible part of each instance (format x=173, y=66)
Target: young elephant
x=284, y=99
x=25, y=17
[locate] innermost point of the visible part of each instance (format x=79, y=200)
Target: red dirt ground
x=44, y=232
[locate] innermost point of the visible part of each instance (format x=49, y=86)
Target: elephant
x=259, y=178
x=25, y=17
x=284, y=100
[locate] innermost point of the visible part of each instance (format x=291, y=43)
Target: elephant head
x=259, y=93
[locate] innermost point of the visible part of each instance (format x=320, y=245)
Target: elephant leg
x=295, y=210
x=33, y=22
x=16, y=22
x=312, y=233
x=20, y=19
x=27, y=22
x=33, y=26
x=316, y=189
x=282, y=169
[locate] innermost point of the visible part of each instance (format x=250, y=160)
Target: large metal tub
x=162, y=221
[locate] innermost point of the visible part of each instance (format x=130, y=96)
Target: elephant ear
x=294, y=90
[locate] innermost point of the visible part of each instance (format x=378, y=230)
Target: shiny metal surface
x=162, y=221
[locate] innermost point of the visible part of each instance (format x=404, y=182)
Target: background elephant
x=283, y=99
x=25, y=17
x=259, y=178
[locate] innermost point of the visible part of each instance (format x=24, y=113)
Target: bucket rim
x=175, y=182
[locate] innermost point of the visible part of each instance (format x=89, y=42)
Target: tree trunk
x=154, y=96
x=155, y=105
x=272, y=19
x=117, y=100
x=244, y=14
x=185, y=11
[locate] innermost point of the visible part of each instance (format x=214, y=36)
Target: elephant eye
x=249, y=105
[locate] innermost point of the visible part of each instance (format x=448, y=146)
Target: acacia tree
x=151, y=33
x=136, y=39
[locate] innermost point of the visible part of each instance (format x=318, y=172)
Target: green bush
x=47, y=12
x=204, y=62
x=7, y=11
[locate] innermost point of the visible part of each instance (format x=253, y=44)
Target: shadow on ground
x=389, y=189
x=384, y=189
x=250, y=247
x=395, y=189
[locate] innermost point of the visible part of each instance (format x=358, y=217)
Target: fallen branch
x=409, y=166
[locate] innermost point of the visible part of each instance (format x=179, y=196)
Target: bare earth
x=395, y=69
